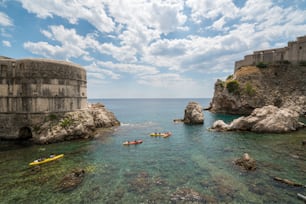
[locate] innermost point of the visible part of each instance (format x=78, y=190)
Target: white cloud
x=164, y=16
x=5, y=20
x=169, y=48
x=6, y=43
x=136, y=69
x=122, y=54
x=207, y=9
x=193, y=53
x=218, y=25
x=91, y=10
x=47, y=50
x=70, y=44
x=96, y=71
x=165, y=80
x=168, y=16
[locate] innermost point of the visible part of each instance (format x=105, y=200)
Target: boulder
x=266, y=119
x=220, y=125
x=193, y=114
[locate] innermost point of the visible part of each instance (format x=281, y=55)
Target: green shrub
x=230, y=77
x=261, y=65
x=233, y=87
x=65, y=122
x=249, y=89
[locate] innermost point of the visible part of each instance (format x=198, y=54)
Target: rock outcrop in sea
x=74, y=125
x=193, y=114
x=268, y=119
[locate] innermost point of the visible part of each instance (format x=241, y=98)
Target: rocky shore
x=266, y=119
x=74, y=125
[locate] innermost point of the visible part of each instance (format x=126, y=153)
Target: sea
x=194, y=165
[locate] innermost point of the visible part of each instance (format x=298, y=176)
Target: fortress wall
x=40, y=105
x=33, y=89
x=302, y=48
x=248, y=60
x=41, y=85
x=295, y=52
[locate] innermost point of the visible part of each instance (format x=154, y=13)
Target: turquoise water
x=193, y=159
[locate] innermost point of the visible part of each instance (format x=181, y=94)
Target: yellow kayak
x=165, y=134
x=45, y=160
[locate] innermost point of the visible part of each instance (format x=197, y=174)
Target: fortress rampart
x=32, y=89
x=294, y=53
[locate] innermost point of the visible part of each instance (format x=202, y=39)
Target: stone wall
x=32, y=89
x=294, y=53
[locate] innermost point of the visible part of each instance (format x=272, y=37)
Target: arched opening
x=25, y=133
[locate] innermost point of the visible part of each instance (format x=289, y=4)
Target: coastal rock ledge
x=74, y=125
x=268, y=119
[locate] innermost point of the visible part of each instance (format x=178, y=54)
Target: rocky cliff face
x=252, y=87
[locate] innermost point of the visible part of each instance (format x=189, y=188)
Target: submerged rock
x=71, y=181
x=246, y=162
x=187, y=195
x=193, y=114
x=266, y=119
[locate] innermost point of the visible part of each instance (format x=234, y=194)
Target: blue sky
x=149, y=48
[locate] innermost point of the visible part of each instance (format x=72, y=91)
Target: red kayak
x=133, y=142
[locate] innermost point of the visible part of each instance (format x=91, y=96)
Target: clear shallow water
x=193, y=159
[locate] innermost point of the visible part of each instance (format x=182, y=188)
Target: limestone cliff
x=250, y=87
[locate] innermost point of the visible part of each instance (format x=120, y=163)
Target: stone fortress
x=294, y=53
x=33, y=89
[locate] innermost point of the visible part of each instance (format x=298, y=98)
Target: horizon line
x=150, y=98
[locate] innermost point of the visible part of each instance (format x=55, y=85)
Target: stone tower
x=33, y=89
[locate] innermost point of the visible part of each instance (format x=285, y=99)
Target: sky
x=149, y=48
